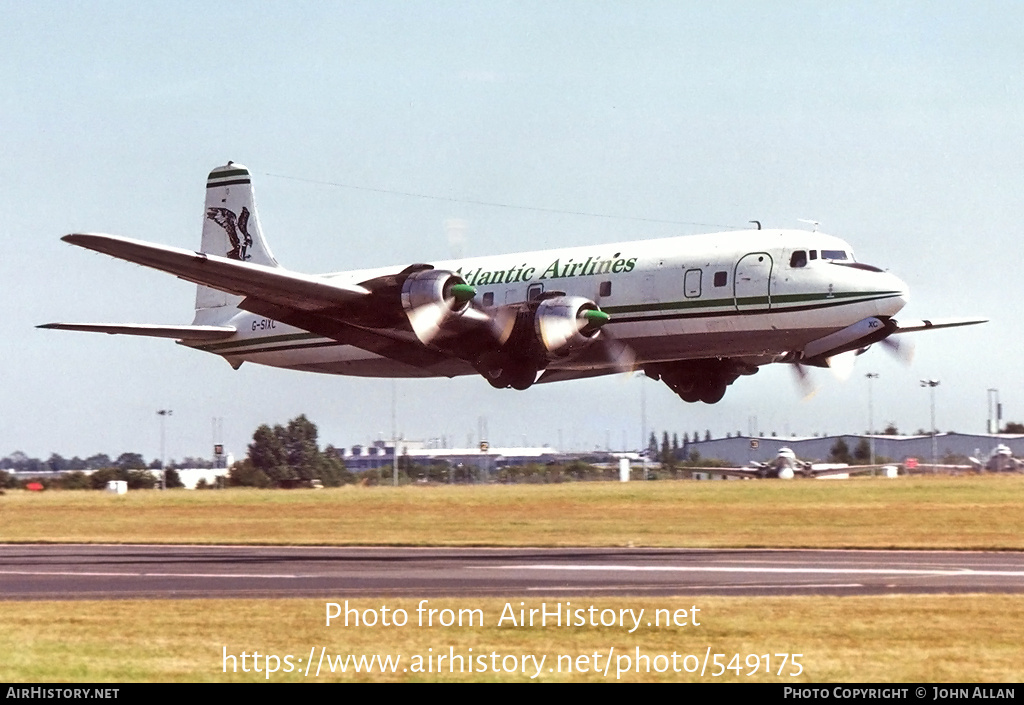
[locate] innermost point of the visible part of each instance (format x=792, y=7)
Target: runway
x=67, y=572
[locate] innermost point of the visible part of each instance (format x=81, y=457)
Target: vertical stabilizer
x=231, y=228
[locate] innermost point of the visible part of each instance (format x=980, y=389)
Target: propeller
x=804, y=382
x=428, y=313
x=621, y=356
x=842, y=364
x=560, y=328
x=901, y=348
x=617, y=353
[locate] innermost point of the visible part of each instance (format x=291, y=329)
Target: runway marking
x=965, y=572
x=85, y=574
x=751, y=586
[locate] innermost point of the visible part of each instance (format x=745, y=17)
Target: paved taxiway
x=29, y=571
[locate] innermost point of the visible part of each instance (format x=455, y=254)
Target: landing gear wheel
x=496, y=378
x=684, y=387
x=502, y=374
x=690, y=396
x=712, y=391
x=522, y=377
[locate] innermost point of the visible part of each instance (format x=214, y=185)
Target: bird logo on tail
x=233, y=225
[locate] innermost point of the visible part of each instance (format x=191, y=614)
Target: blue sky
x=897, y=125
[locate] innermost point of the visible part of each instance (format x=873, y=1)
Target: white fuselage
x=749, y=295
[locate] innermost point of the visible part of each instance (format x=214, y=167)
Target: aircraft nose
x=897, y=302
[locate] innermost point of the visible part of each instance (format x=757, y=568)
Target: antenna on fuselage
x=815, y=223
x=756, y=222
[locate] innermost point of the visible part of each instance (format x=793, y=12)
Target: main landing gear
x=699, y=380
x=503, y=371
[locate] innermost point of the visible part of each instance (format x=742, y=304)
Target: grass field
x=943, y=638
x=973, y=512
x=966, y=638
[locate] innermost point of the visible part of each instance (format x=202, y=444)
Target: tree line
x=19, y=462
x=290, y=456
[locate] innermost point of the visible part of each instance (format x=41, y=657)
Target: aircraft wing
x=390, y=344
x=190, y=333
x=312, y=303
x=751, y=473
x=935, y=323
x=825, y=470
x=830, y=469
x=273, y=284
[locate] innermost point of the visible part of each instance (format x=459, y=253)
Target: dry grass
x=851, y=639
x=985, y=512
x=963, y=638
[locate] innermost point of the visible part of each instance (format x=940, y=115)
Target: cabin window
x=833, y=254
x=721, y=278
x=691, y=283
x=533, y=293
x=799, y=259
x=606, y=289
x=489, y=298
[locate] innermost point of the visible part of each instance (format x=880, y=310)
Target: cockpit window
x=798, y=259
x=834, y=254
x=814, y=254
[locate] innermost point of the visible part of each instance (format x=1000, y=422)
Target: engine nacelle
x=859, y=335
x=567, y=324
x=430, y=297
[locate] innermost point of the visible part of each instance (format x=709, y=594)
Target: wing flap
x=414, y=354
x=297, y=291
x=190, y=333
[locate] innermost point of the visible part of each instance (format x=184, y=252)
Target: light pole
x=643, y=425
x=163, y=414
x=932, y=384
x=995, y=411
x=394, y=441
x=871, y=376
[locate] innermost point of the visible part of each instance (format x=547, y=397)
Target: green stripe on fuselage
x=690, y=309
x=778, y=303
x=224, y=348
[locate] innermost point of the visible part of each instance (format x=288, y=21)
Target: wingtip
x=78, y=238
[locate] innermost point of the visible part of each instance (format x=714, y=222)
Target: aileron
x=192, y=334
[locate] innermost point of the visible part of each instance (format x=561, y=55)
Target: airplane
x=697, y=312
x=999, y=460
x=786, y=466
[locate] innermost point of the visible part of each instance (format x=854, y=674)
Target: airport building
x=381, y=454
x=740, y=450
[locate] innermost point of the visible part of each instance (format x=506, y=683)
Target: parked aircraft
x=786, y=466
x=999, y=460
x=696, y=312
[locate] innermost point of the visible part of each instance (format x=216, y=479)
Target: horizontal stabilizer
x=190, y=333
x=274, y=284
x=935, y=323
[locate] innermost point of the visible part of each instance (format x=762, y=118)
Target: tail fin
x=231, y=228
